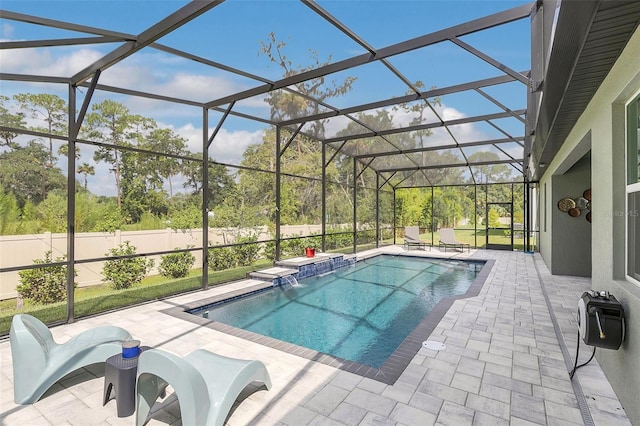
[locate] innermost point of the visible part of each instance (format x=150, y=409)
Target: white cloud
x=402, y=118
x=227, y=147
x=258, y=101
x=448, y=113
x=71, y=64
x=334, y=125
x=23, y=60
x=194, y=86
x=46, y=62
x=6, y=30
x=151, y=72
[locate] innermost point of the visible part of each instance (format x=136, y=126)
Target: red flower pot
x=310, y=251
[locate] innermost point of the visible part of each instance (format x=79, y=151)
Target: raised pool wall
x=317, y=266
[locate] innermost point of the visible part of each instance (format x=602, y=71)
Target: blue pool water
x=360, y=313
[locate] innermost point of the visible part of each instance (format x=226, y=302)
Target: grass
x=471, y=237
x=97, y=299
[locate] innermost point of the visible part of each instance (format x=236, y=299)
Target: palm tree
x=86, y=169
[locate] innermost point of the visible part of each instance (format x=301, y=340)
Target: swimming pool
x=361, y=313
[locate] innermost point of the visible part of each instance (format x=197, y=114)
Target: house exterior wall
x=571, y=235
x=605, y=119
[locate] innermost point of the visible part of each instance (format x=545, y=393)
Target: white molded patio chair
x=39, y=362
x=412, y=237
x=448, y=239
x=205, y=383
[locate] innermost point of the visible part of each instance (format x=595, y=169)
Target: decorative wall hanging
x=573, y=207
x=574, y=212
x=566, y=204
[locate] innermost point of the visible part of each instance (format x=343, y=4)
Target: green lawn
x=471, y=236
x=102, y=298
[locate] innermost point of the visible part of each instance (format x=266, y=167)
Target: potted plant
x=310, y=247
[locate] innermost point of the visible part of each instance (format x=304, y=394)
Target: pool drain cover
x=433, y=345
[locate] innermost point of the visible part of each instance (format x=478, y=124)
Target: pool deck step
x=272, y=273
x=300, y=261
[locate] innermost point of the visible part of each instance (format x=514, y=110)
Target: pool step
x=296, y=262
x=303, y=267
x=272, y=273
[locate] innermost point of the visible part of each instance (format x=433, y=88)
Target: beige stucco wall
x=604, y=117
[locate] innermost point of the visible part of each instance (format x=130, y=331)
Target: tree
x=52, y=213
x=64, y=150
x=489, y=173
x=111, y=122
x=413, y=206
x=24, y=171
x=49, y=108
x=9, y=119
x=109, y=218
x=418, y=110
x=167, y=142
x=187, y=217
x=221, y=183
x=141, y=188
x=9, y=212
x=254, y=195
x=382, y=119
x=86, y=169
x=444, y=175
x=494, y=218
x=286, y=105
x=250, y=203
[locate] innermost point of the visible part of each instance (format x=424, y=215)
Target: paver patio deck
x=506, y=361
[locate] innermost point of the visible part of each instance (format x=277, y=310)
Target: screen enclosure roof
x=437, y=90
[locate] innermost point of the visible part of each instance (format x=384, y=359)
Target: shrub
x=313, y=242
x=186, y=219
x=270, y=250
x=176, y=265
x=339, y=241
x=123, y=273
x=47, y=284
x=221, y=258
x=293, y=247
x=246, y=254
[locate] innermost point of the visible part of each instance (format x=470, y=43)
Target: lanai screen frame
x=394, y=177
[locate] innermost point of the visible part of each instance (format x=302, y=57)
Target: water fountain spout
x=291, y=281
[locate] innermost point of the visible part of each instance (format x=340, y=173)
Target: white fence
x=21, y=250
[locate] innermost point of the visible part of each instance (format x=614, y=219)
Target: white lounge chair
x=412, y=237
x=205, y=383
x=39, y=362
x=448, y=239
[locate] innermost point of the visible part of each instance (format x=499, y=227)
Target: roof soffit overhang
x=589, y=38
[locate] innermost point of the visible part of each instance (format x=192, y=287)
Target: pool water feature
x=290, y=280
x=361, y=313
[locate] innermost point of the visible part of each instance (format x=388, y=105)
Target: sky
x=232, y=34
